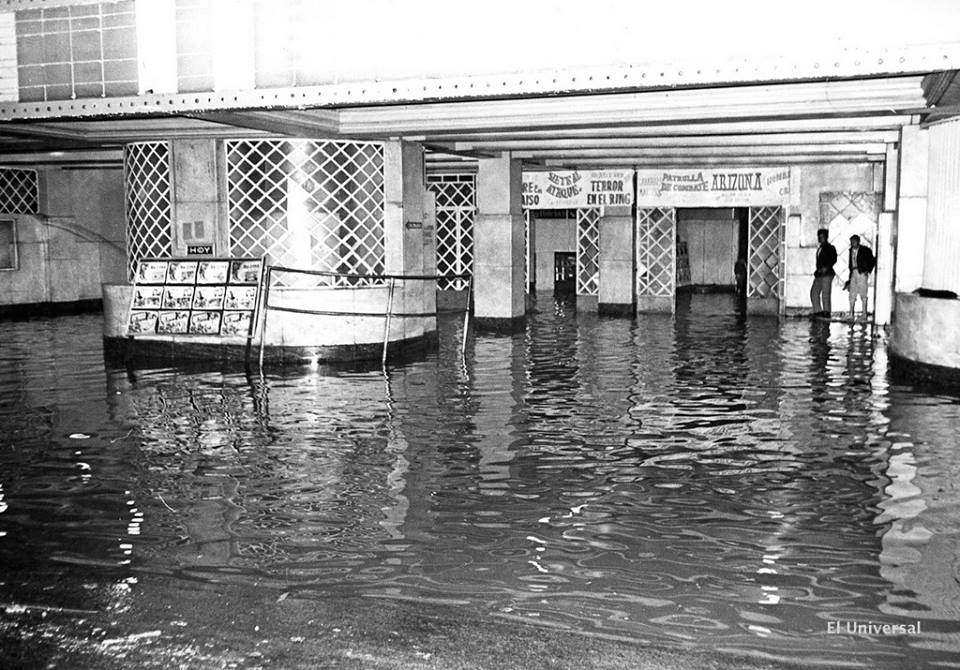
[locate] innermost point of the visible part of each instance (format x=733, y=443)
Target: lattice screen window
x=765, y=263
x=588, y=251
x=306, y=204
x=656, y=252
x=844, y=214
x=456, y=209
x=146, y=177
x=19, y=191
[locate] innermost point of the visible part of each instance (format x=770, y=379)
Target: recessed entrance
x=564, y=272
x=710, y=240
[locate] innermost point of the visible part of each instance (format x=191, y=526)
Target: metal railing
x=365, y=281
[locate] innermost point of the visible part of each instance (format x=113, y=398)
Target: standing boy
x=861, y=265
x=823, y=275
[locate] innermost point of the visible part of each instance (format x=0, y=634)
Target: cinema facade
x=224, y=189
x=351, y=231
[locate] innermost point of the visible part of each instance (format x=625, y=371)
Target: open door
x=564, y=272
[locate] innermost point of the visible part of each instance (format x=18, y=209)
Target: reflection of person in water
x=740, y=272
x=820, y=351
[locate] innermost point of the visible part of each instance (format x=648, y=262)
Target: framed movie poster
x=208, y=297
x=173, y=323
x=213, y=272
x=245, y=272
x=147, y=297
x=204, y=323
x=177, y=297
x=142, y=322
x=151, y=272
x=236, y=324
x=240, y=297
x=182, y=272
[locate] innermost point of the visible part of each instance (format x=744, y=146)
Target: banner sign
x=740, y=187
x=190, y=297
x=571, y=189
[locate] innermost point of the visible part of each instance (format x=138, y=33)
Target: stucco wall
x=801, y=239
x=74, y=245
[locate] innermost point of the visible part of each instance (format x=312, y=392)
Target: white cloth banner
x=570, y=189
x=740, y=187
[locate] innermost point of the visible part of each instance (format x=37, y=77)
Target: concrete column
x=405, y=228
x=883, y=275
x=199, y=213
x=498, y=240
x=891, y=178
x=616, y=261
x=885, y=251
x=911, y=226
x=941, y=266
x=926, y=328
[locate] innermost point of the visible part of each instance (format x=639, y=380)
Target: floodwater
x=701, y=481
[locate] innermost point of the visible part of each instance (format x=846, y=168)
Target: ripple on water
x=698, y=480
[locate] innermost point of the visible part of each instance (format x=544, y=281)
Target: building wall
x=801, y=239
x=550, y=236
x=941, y=264
x=926, y=329
x=75, y=243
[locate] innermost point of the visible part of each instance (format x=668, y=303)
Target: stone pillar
x=498, y=242
x=617, y=249
x=912, y=208
x=199, y=213
x=403, y=237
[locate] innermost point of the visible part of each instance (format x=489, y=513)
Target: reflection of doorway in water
x=710, y=240
x=564, y=272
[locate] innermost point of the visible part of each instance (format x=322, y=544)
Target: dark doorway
x=564, y=272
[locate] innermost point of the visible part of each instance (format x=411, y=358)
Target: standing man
x=861, y=265
x=823, y=275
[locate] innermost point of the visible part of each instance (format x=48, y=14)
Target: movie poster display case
x=217, y=297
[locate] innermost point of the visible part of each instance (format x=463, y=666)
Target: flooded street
x=698, y=482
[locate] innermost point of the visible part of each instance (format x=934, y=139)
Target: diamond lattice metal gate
x=588, y=251
x=656, y=259
x=456, y=208
x=146, y=182
x=851, y=213
x=306, y=204
x=765, y=263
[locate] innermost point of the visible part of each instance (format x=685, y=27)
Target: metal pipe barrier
x=368, y=281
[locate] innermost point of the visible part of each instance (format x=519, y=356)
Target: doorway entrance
x=564, y=272
x=709, y=243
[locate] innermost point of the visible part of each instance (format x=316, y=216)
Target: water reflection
x=705, y=479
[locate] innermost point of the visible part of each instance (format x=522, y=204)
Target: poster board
x=726, y=187
x=572, y=189
x=179, y=296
